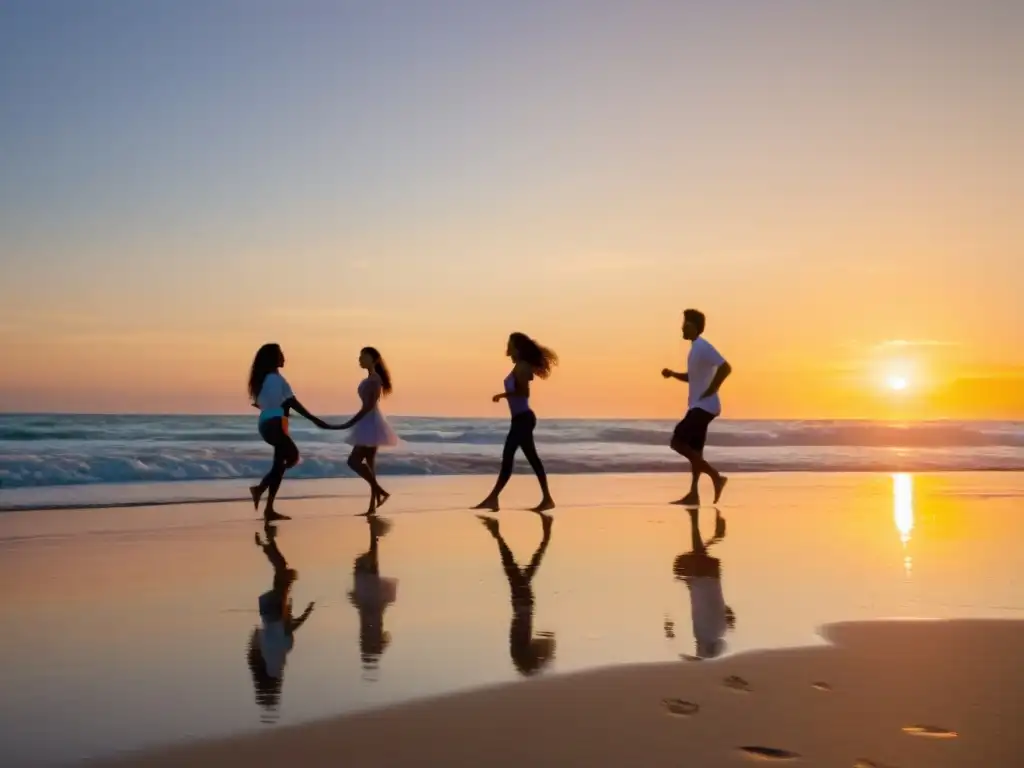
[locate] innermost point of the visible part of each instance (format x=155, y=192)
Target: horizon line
x=140, y=414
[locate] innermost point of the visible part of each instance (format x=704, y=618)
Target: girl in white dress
x=370, y=429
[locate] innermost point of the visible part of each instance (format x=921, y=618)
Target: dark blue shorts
x=692, y=431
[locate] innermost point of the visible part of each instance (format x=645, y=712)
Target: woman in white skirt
x=370, y=430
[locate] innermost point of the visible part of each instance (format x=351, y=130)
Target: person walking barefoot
x=706, y=369
x=529, y=360
x=370, y=430
x=274, y=398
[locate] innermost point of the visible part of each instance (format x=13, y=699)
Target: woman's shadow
x=530, y=654
x=272, y=641
x=371, y=594
x=702, y=574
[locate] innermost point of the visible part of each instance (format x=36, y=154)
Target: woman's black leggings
x=520, y=435
x=286, y=455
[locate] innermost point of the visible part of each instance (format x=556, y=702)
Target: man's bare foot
x=545, y=505
x=256, y=493
x=382, y=497
x=719, y=487
x=270, y=515
x=489, y=504
x=691, y=499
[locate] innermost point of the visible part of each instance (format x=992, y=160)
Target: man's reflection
x=270, y=643
x=702, y=574
x=529, y=654
x=371, y=595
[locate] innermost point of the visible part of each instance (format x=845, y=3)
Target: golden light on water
x=903, y=512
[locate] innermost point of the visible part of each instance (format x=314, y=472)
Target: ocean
x=43, y=451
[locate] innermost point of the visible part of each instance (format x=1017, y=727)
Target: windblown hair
x=381, y=369
x=267, y=360
x=540, y=358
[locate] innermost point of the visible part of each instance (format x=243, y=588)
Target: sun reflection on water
x=903, y=512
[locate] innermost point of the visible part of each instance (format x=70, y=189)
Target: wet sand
x=911, y=693
x=151, y=610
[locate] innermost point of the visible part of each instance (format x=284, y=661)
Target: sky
x=838, y=186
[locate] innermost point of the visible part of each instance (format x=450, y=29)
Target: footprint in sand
x=737, y=683
x=863, y=762
x=681, y=708
x=670, y=628
x=820, y=686
x=930, y=731
x=769, y=753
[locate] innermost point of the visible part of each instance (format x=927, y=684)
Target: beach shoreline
x=867, y=696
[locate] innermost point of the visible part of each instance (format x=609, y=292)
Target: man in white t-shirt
x=706, y=369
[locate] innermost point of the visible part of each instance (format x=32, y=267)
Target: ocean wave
x=40, y=451
x=65, y=468
x=240, y=429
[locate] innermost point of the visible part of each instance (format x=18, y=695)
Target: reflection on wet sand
x=903, y=513
x=272, y=641
x=371, y=594
x=702, y=574
x=530, y=654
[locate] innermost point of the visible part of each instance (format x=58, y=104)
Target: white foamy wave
x=41, y=451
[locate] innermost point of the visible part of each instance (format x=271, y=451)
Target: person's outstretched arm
x=302, y=619
x=370, y=399
x=293, y=403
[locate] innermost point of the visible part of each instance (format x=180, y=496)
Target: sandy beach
x=151, y=610
x=885, y=694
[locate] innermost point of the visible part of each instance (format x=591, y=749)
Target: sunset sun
x=897, y=383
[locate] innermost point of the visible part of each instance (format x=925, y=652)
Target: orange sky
x=822, y=182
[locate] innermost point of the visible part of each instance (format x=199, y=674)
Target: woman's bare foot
x=691, y=499
x=490, y=504
x=270, y=515
x=719, y=487
x=545, y=504
x=382, y=497
x=259, y=541
x=256, y=493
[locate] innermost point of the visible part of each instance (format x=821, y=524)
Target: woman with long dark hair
x=270, y=643
x=530, y=360
x=372, y=430
x=272, y=395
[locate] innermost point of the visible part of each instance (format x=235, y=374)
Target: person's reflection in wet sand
x=371, y=595
x=530, y=654
x=270, y=643
x=702, y=574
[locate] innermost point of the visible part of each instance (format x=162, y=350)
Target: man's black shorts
x=693, y=429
